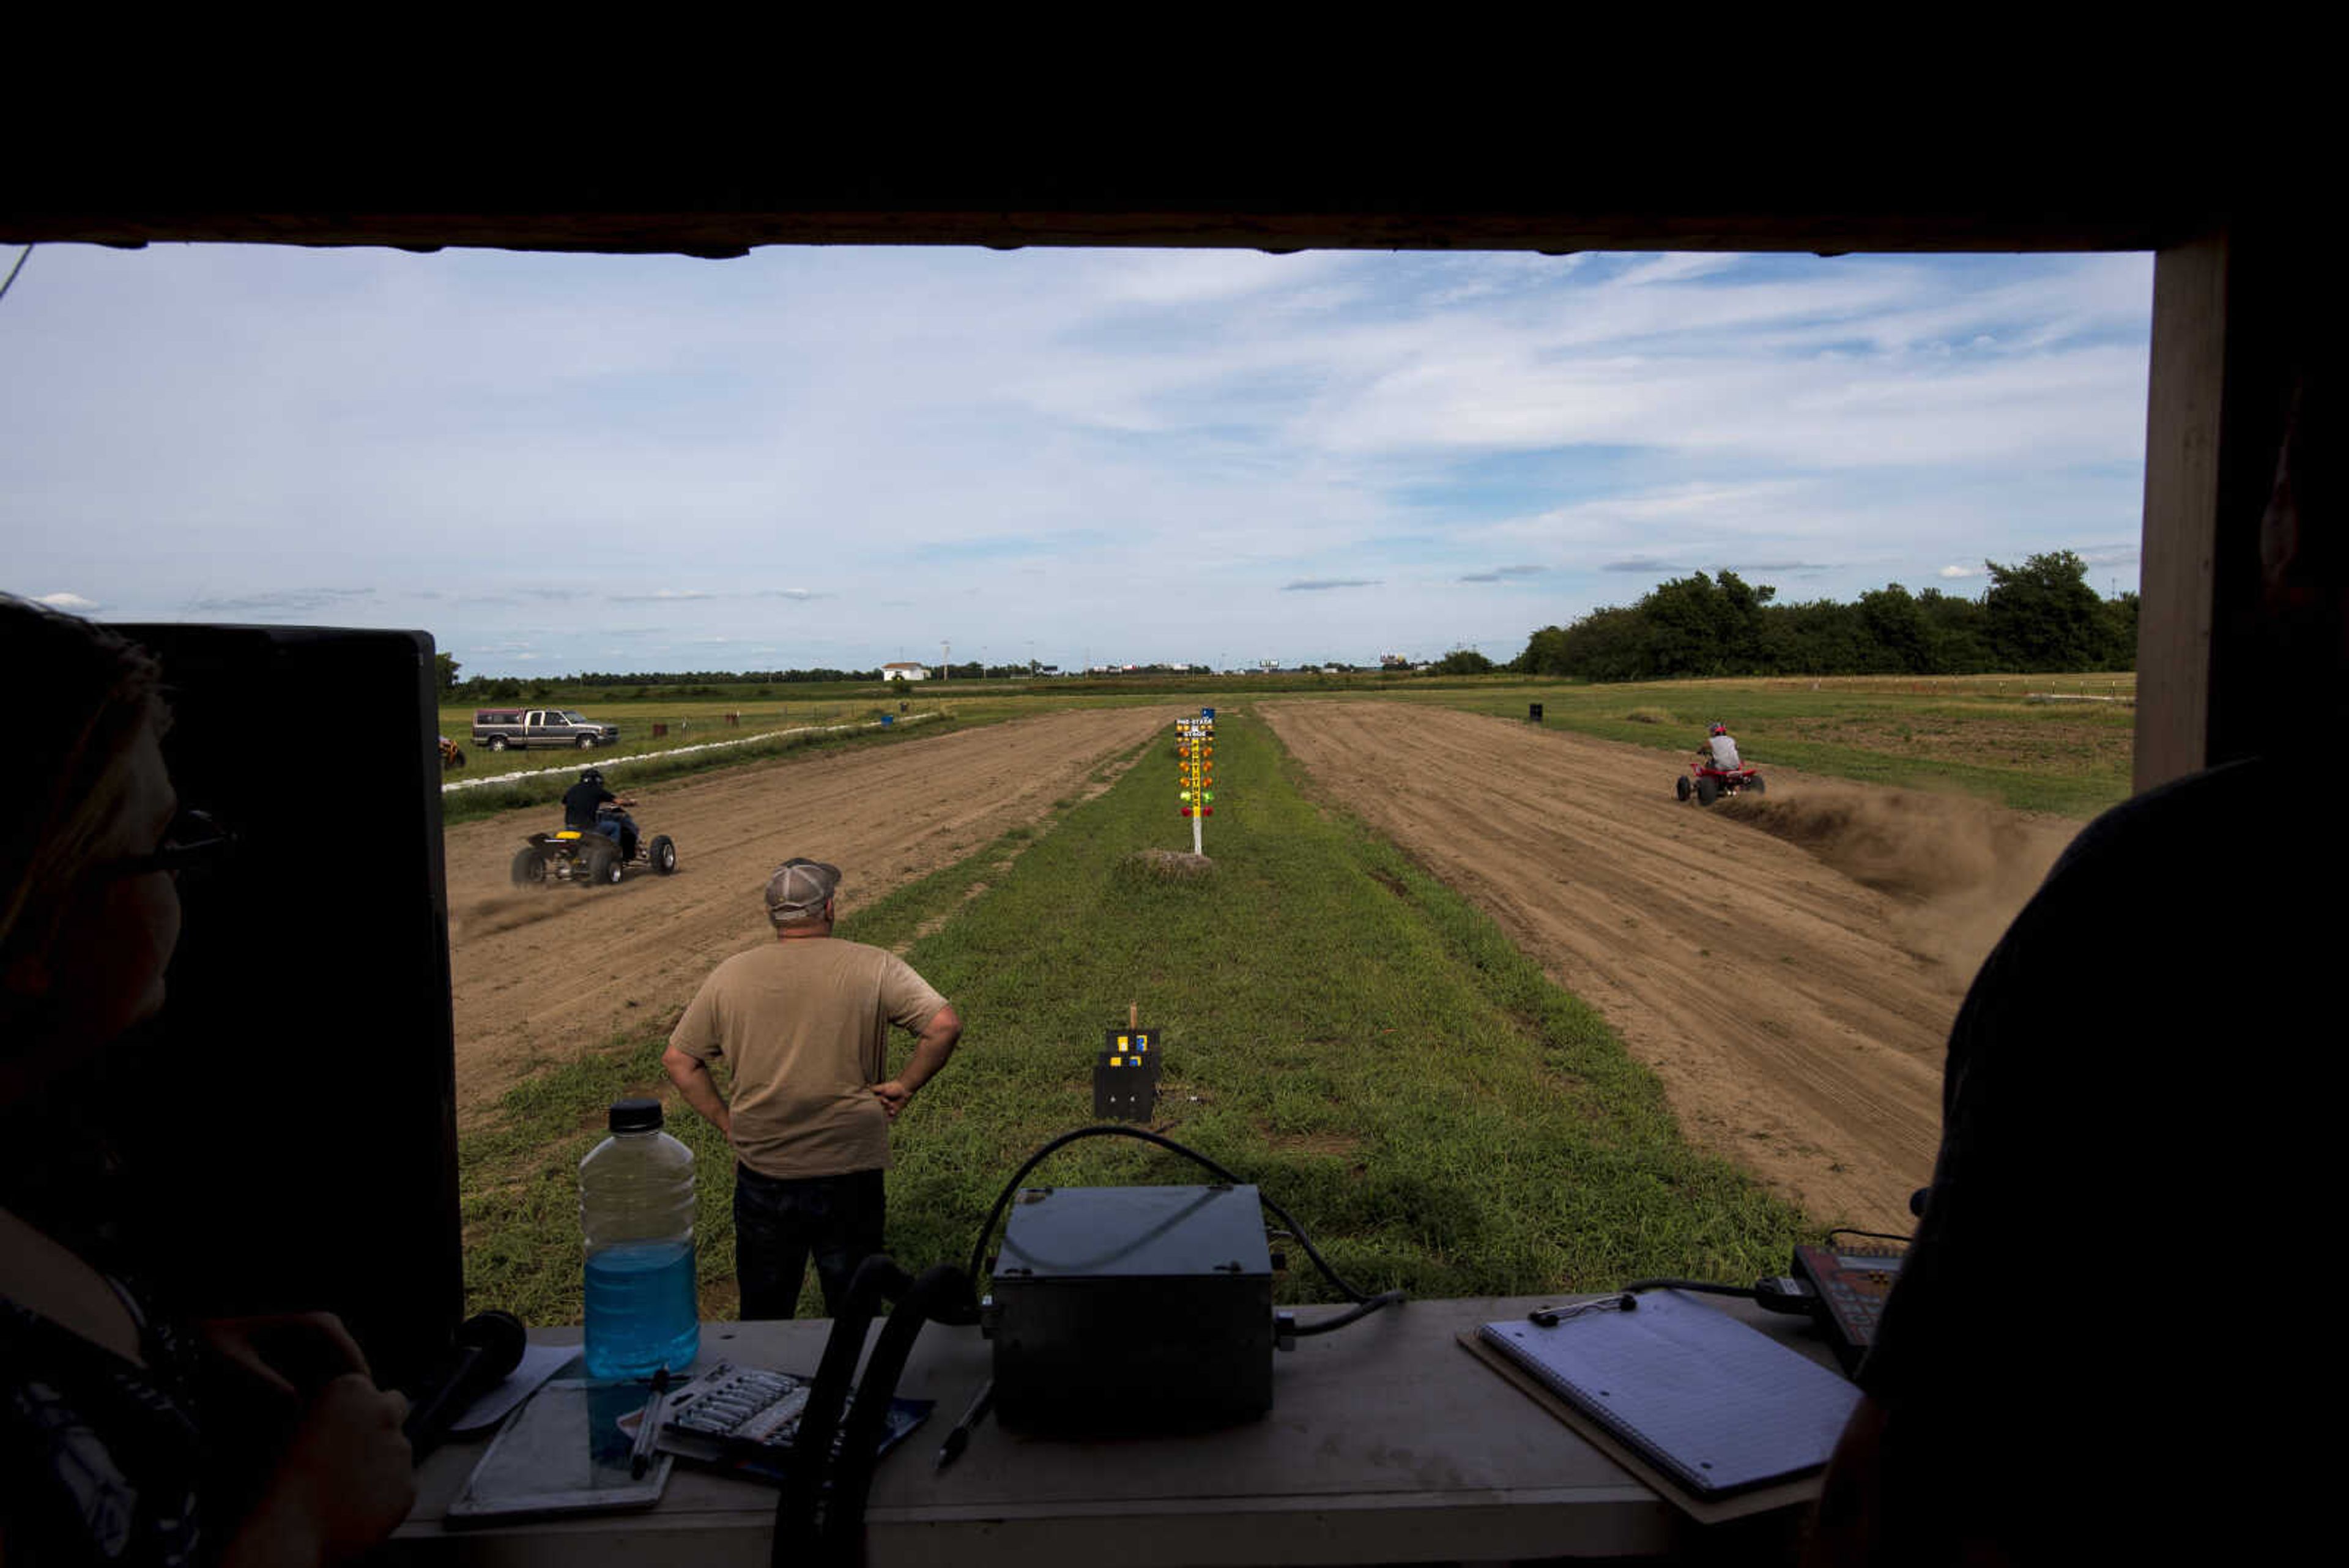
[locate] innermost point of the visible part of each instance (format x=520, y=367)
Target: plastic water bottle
x=636, y=1206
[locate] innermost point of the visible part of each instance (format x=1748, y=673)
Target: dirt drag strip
x=541, y=973
x=1795, y=1012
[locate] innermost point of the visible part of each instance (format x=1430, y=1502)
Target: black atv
x=578, y=854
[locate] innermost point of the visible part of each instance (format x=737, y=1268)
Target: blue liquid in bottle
x=641, y=1310
x=637, y=1211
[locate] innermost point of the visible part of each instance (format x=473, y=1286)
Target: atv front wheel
x=1707, y=791
x=1681, y=786
x=662, y=853
x=529, y=868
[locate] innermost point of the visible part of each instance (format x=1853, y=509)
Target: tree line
x=2040, y=616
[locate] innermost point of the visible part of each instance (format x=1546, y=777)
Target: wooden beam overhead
x=2036, y=199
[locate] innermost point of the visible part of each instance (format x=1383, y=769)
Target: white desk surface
x=1387, y=1442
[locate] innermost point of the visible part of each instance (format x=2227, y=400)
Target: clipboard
x=1711, y=1413
x=562, y=1452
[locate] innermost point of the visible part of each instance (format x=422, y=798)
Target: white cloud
x=1676, y=266
x=73, y=602
x=1954, y=572
x=1192, y=277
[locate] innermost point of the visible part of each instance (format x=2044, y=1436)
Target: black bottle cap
x=635, y=1116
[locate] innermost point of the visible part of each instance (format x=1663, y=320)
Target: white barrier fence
x=2076, y=697
x=579, y=762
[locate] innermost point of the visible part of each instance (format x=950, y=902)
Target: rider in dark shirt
x=579, y=809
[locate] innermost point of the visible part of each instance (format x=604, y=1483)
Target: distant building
x=902, y=671
x=1393, y=662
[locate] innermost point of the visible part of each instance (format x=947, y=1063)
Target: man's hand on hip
x=930, y=1053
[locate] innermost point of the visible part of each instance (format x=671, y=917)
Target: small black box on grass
x=1125, y=1078
x=1132, y=1309
x=1533, y=713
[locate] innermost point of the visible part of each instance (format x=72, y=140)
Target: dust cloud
x=1958, y=868
x=480, y=917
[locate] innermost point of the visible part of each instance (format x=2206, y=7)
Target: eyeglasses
x=193, y=842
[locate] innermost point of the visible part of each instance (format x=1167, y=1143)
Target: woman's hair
x=87, y=697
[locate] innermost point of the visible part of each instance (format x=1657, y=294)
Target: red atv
x=1709, y=784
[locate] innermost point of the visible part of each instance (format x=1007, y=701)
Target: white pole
x=1197, y=813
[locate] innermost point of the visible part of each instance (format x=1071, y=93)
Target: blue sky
x=841, y=457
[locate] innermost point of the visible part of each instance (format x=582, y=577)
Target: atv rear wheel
x=662, y=853
x=1681, y=786
x=603, y=862
x=1707, y=791
x=529, y=868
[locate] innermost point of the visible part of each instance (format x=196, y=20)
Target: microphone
x=487, y=1348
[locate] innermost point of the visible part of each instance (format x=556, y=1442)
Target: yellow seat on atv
x=568, y=833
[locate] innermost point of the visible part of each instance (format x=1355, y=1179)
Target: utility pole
x=946, y=661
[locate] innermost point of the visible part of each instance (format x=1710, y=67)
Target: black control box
x=1132, y=1309
x=1125, y=1078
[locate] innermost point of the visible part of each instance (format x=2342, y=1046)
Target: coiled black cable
x=1706, y=1287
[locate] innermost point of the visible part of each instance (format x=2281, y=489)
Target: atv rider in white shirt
x=1720, y=750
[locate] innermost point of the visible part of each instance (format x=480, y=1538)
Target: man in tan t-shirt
x=802, y=1024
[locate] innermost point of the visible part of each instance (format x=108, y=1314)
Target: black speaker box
x=1129, y=1310
x=291, y=1141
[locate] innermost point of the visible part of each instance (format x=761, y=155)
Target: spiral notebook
x=1710, y=1403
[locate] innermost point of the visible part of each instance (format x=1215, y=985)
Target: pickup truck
x=500, y=728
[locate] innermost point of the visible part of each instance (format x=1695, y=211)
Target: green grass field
x=1340, y=1028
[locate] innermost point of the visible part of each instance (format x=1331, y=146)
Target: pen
x=959, y=1439
x=649, y=1426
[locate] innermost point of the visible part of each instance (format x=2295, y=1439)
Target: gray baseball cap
x=800, y=886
